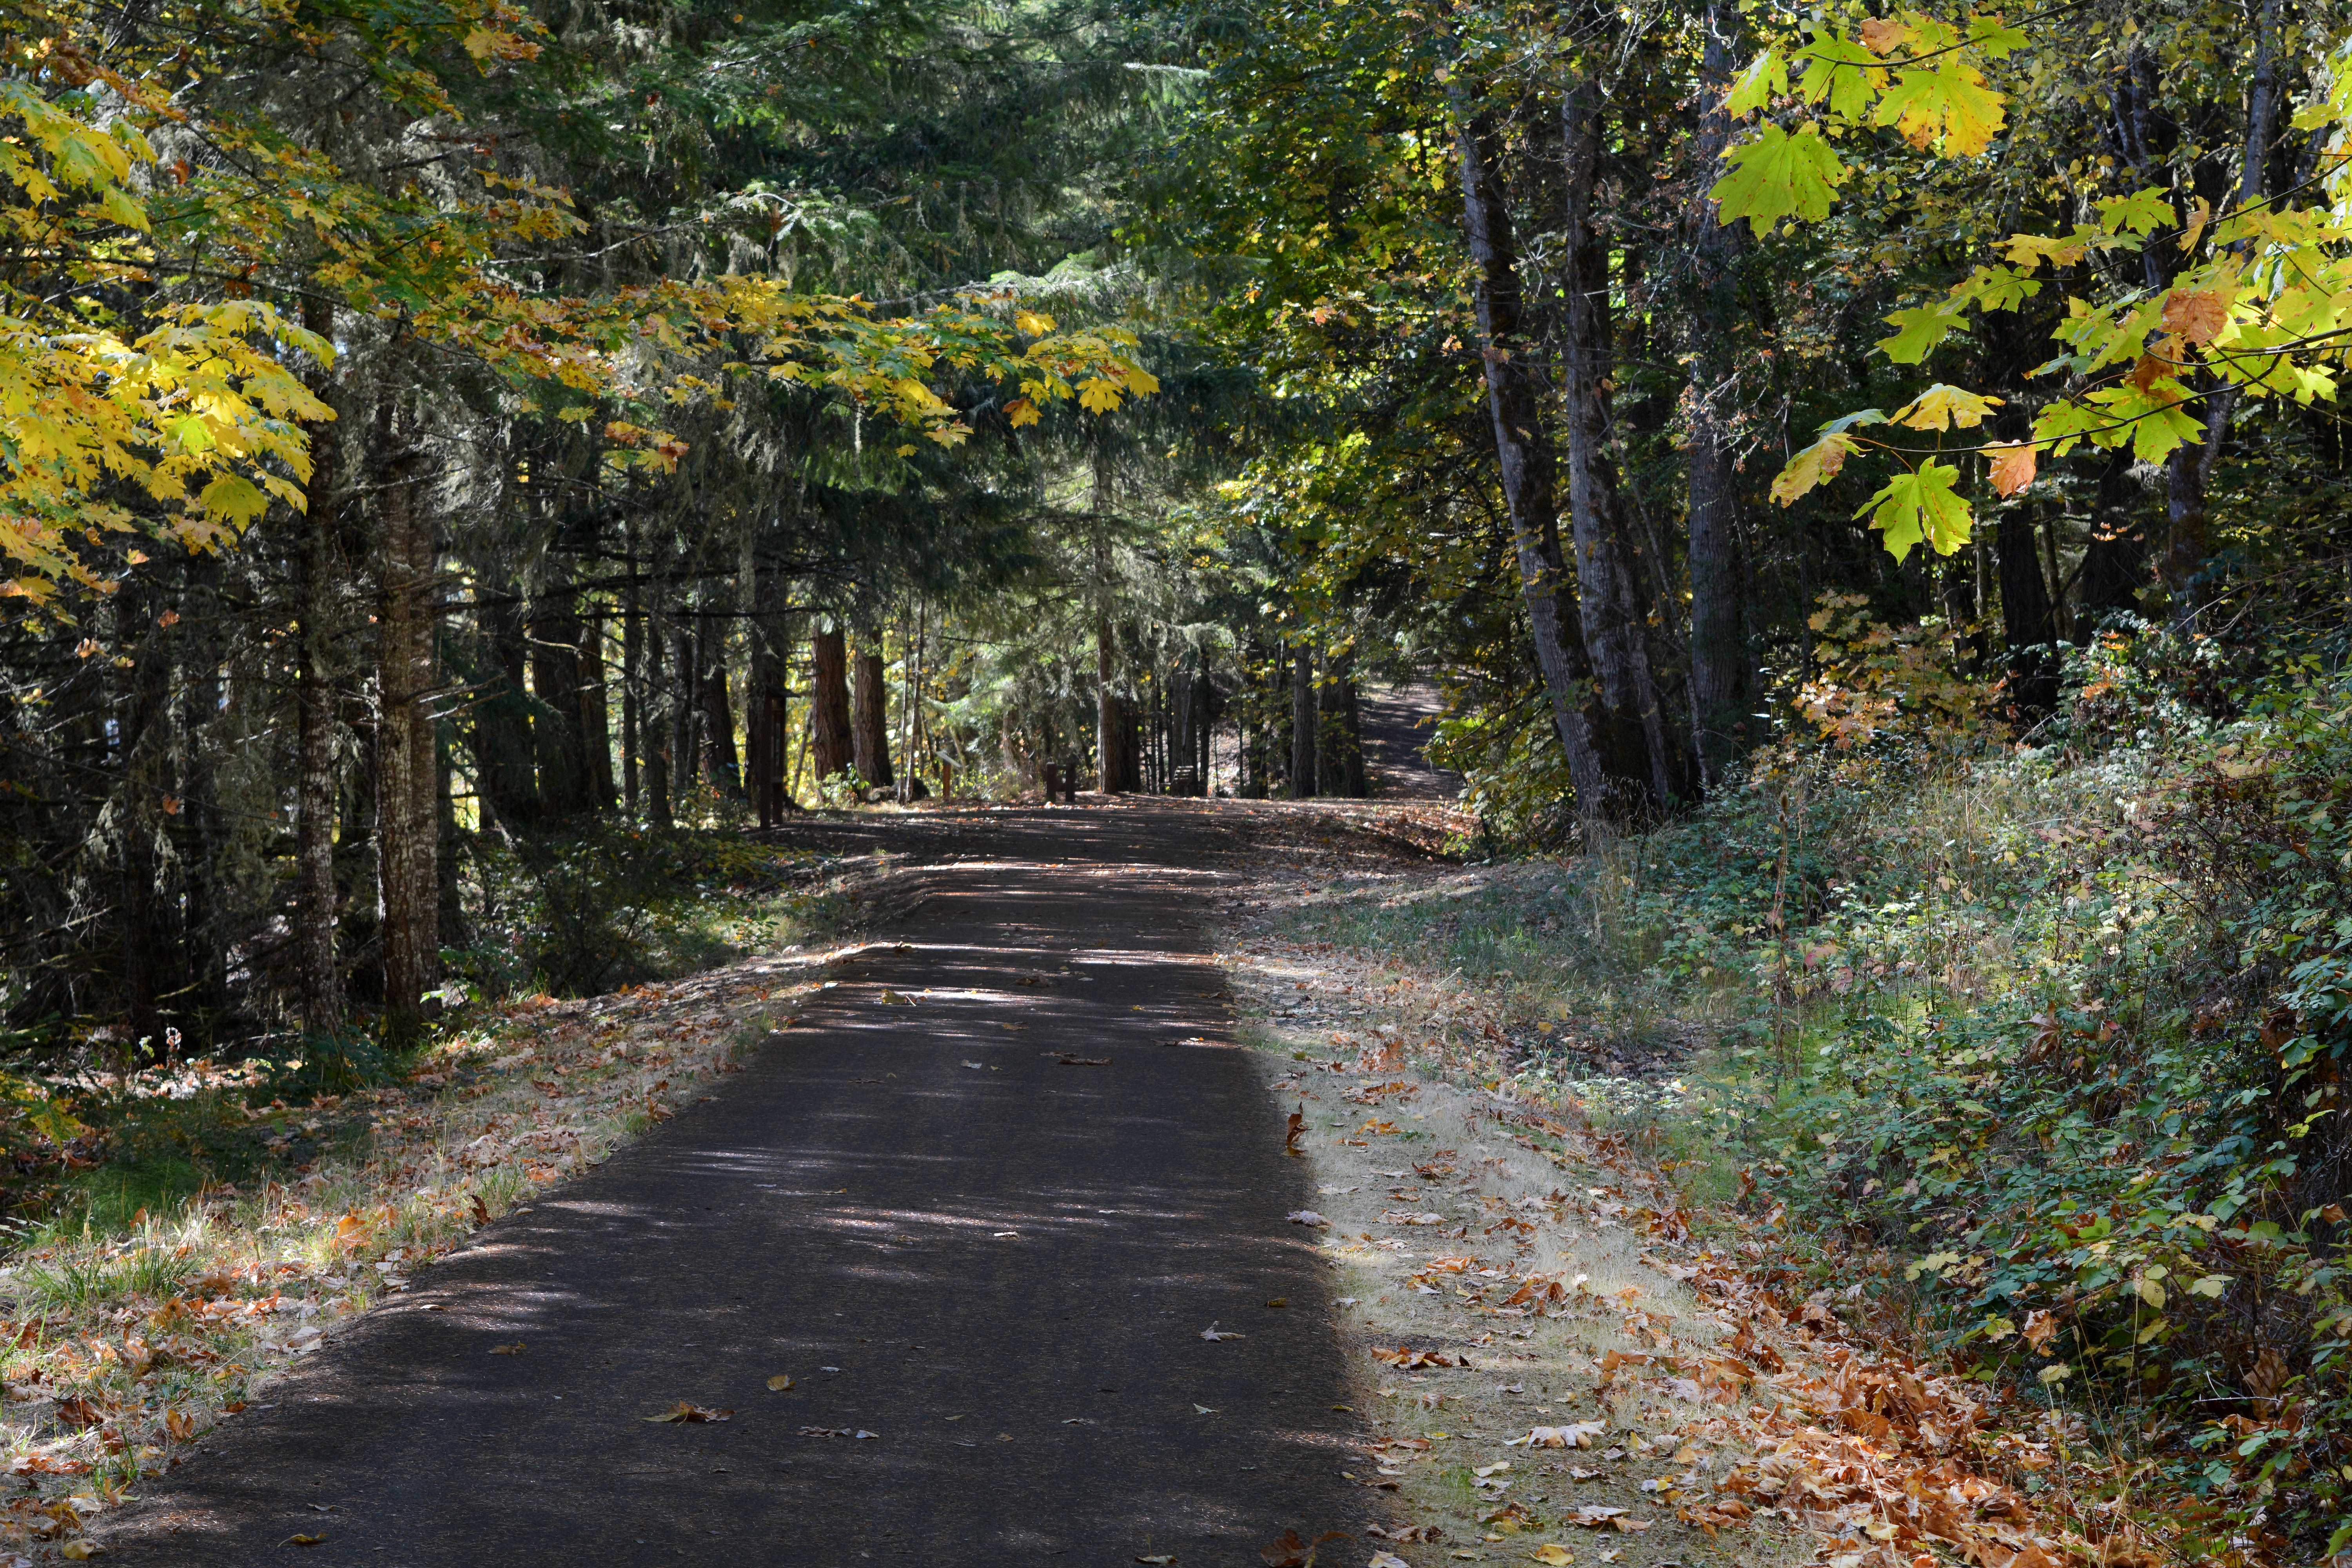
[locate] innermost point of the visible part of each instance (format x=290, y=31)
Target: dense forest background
x=1872, y=486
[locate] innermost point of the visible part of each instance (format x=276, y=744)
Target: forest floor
x=974, y=1241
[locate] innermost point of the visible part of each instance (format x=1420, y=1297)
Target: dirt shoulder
x=1558, y=1370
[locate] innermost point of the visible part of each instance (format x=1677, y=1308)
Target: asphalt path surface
x=999, y=1265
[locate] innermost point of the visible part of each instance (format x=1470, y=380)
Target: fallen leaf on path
x=1203, y=1410
x=1498, y=1466
x=1213, y=1333
x=819, y=1431
x=684, y=1411
x=1580, y=1434
x=1597, y=1518
x=781, y=1382
x=1070, y=1061
x=1552, y=1555
x=1409, y=1359
x=977, y=1067
x=481, y=1211
x=892, y=997
x=1298, y=1130
x=1292, y=1552
x=514, y=1349
x=1307, y=1217
x=1407, y=1532
x=1163, y=1557
x=1386, y=1560
x=79, y=1550
x=294, y=1540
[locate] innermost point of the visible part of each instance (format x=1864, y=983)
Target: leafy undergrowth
x=2033, y=1055
x=1547, y=1283
x=124, y=1346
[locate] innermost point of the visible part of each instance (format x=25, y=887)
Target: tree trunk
x=407, y=794
x=829, y=727
x=505, y=778
x=1523, y=453
x=1113, y=730
x=595, y=713
x=719, y=764
x=1723, y=681
x=685, y=660
x=633, y=677
x=2115, y=561
x=2027, y=617
x=318, y=976
x=658, y=740
x=1303, y=722
x=869, y=720
x=554, y=632
x=1633, y=738
x=1343, y=772
x=2189, y=470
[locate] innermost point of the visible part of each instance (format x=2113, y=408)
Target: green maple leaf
x=1777, y=175
x=1920, y=508
x=1766, y=79
x=1918, y=330
x=1841, y=70
x=2139, y=211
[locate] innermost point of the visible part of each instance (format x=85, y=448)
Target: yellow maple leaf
x=1942, y=407
x=1021, y=412
x=1036, y=323
x=1098, y=395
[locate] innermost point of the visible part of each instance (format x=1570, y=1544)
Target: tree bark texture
x=719, y=764
x=505, y=775
x=2028, y=620
x=407, y=791
x=869, y=718
x=2115, y=561
x=1723, y=681
x=1115, y=749
x=319, y=975
x=1341, y=772
x=1306, y=719
x=658, y=735
x=830, y=740
x=595, y=713
x=1634, y=738
x=1523, y=452
x=554, y=634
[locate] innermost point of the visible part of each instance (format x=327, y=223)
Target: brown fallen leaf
x=1298, y=1130
x=482, y=1210
x=1552, y=1555
x=1290, y=1551
x=304, y=1540
x=81, y=1551
x=514, y=1349
x=1308, y=1218
x=1407, y=1532
x=1279, y=1301
x=781, y=1382
x=683, y=1411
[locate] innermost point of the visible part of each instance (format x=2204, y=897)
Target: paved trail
x=1002, y=1271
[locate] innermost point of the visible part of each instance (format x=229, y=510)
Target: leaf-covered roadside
x=1571, y=1358
x=2032, y=1057
x=125, y=1348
